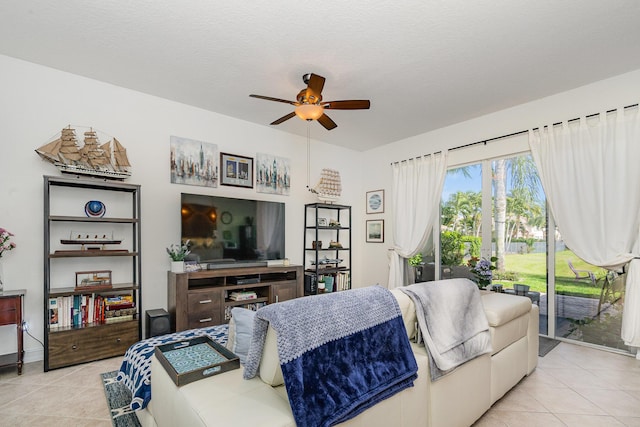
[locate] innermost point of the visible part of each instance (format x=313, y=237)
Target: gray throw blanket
x=452, y=321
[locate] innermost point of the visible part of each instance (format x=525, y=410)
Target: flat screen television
x=227, y=230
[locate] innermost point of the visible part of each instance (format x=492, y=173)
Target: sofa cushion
x=508, y=317
x=408, y=310
x=270, y=371
x=503, y=308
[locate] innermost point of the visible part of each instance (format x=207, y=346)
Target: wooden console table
x=11, y=314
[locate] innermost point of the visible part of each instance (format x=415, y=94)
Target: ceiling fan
x=309, y=105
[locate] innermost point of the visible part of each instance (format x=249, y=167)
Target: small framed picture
x=93, y=279
x=237, y=171
x=375, y=201
x=322, y=222
x=375, y=231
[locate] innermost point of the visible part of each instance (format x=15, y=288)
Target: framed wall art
x=375, y=231
x=193, y=162
x=237, y=171
x=273, y=174
x=375, y=201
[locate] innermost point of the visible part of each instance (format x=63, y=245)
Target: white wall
x=600, y=96
x=36, y=102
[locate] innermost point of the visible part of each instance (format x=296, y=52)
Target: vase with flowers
x=482, y=269
x=5, y=245
x=178, y=253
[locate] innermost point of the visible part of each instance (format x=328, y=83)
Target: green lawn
x=532, y=271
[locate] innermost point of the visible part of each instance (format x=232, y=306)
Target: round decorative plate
x=95, y=209
x=375, y=201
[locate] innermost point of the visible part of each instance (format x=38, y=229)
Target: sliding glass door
x=495, y=210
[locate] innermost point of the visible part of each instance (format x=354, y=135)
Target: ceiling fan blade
x=316, y=83
x=283, y=118
x=327, y=122
x=268, y=98
x=352, y=104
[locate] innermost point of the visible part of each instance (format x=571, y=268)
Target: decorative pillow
x=270, y=370
x=240, y=331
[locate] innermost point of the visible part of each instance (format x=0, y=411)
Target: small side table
x=11, y=303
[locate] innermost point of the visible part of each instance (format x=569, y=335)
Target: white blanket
x=452, y=321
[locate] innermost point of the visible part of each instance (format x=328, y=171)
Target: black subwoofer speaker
x=157, y=322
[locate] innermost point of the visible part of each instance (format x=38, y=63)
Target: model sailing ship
x=108, y=160
x=329, y=187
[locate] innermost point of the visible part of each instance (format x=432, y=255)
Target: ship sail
x=50, y=151
x=108, y=160
x=69, y=151
x=329, y=187
x=120, y=155
x=91, y=152
x=106, y=149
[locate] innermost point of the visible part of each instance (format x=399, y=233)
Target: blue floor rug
x=118, y=399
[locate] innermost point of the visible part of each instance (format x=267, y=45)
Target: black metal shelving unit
x=326, y=223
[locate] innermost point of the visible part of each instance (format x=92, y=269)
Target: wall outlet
x=25, y=326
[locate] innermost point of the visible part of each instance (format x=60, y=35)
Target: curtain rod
x=484, y=141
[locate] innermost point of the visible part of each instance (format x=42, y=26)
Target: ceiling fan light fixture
x=309, y=111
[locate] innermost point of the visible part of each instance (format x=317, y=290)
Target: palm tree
x=522, y=172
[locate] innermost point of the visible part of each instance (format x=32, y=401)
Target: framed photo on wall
x=236, y=171
x=375, y=201
x=375, y=231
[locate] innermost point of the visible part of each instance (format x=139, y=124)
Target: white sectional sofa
x=457, y=399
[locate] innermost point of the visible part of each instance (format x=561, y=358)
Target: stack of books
x=81, y=310
x=242, y=295
x=119, y=308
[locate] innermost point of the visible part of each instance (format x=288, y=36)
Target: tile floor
x=572, y=386
x=70, y=397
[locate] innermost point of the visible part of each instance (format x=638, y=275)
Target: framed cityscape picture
x=375, y=231
x=193, y=162
x=236, y=170
x=375, y=201
x=273, y=174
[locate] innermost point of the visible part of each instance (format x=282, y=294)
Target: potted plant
x=178, y=253
x=482, y=270
x=417, y=264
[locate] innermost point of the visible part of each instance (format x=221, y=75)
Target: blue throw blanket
x=340, y=353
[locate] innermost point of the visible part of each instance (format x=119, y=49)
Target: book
x=117, y=319
x=53, y=312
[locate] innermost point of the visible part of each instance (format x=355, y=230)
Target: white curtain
x=270, y=229
x=590, y=172
x=416, y=192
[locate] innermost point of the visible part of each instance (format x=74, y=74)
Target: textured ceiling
x=424, y=64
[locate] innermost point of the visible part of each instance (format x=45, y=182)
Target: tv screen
x=224, y=229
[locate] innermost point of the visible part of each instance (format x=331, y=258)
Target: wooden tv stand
x=199, y=299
